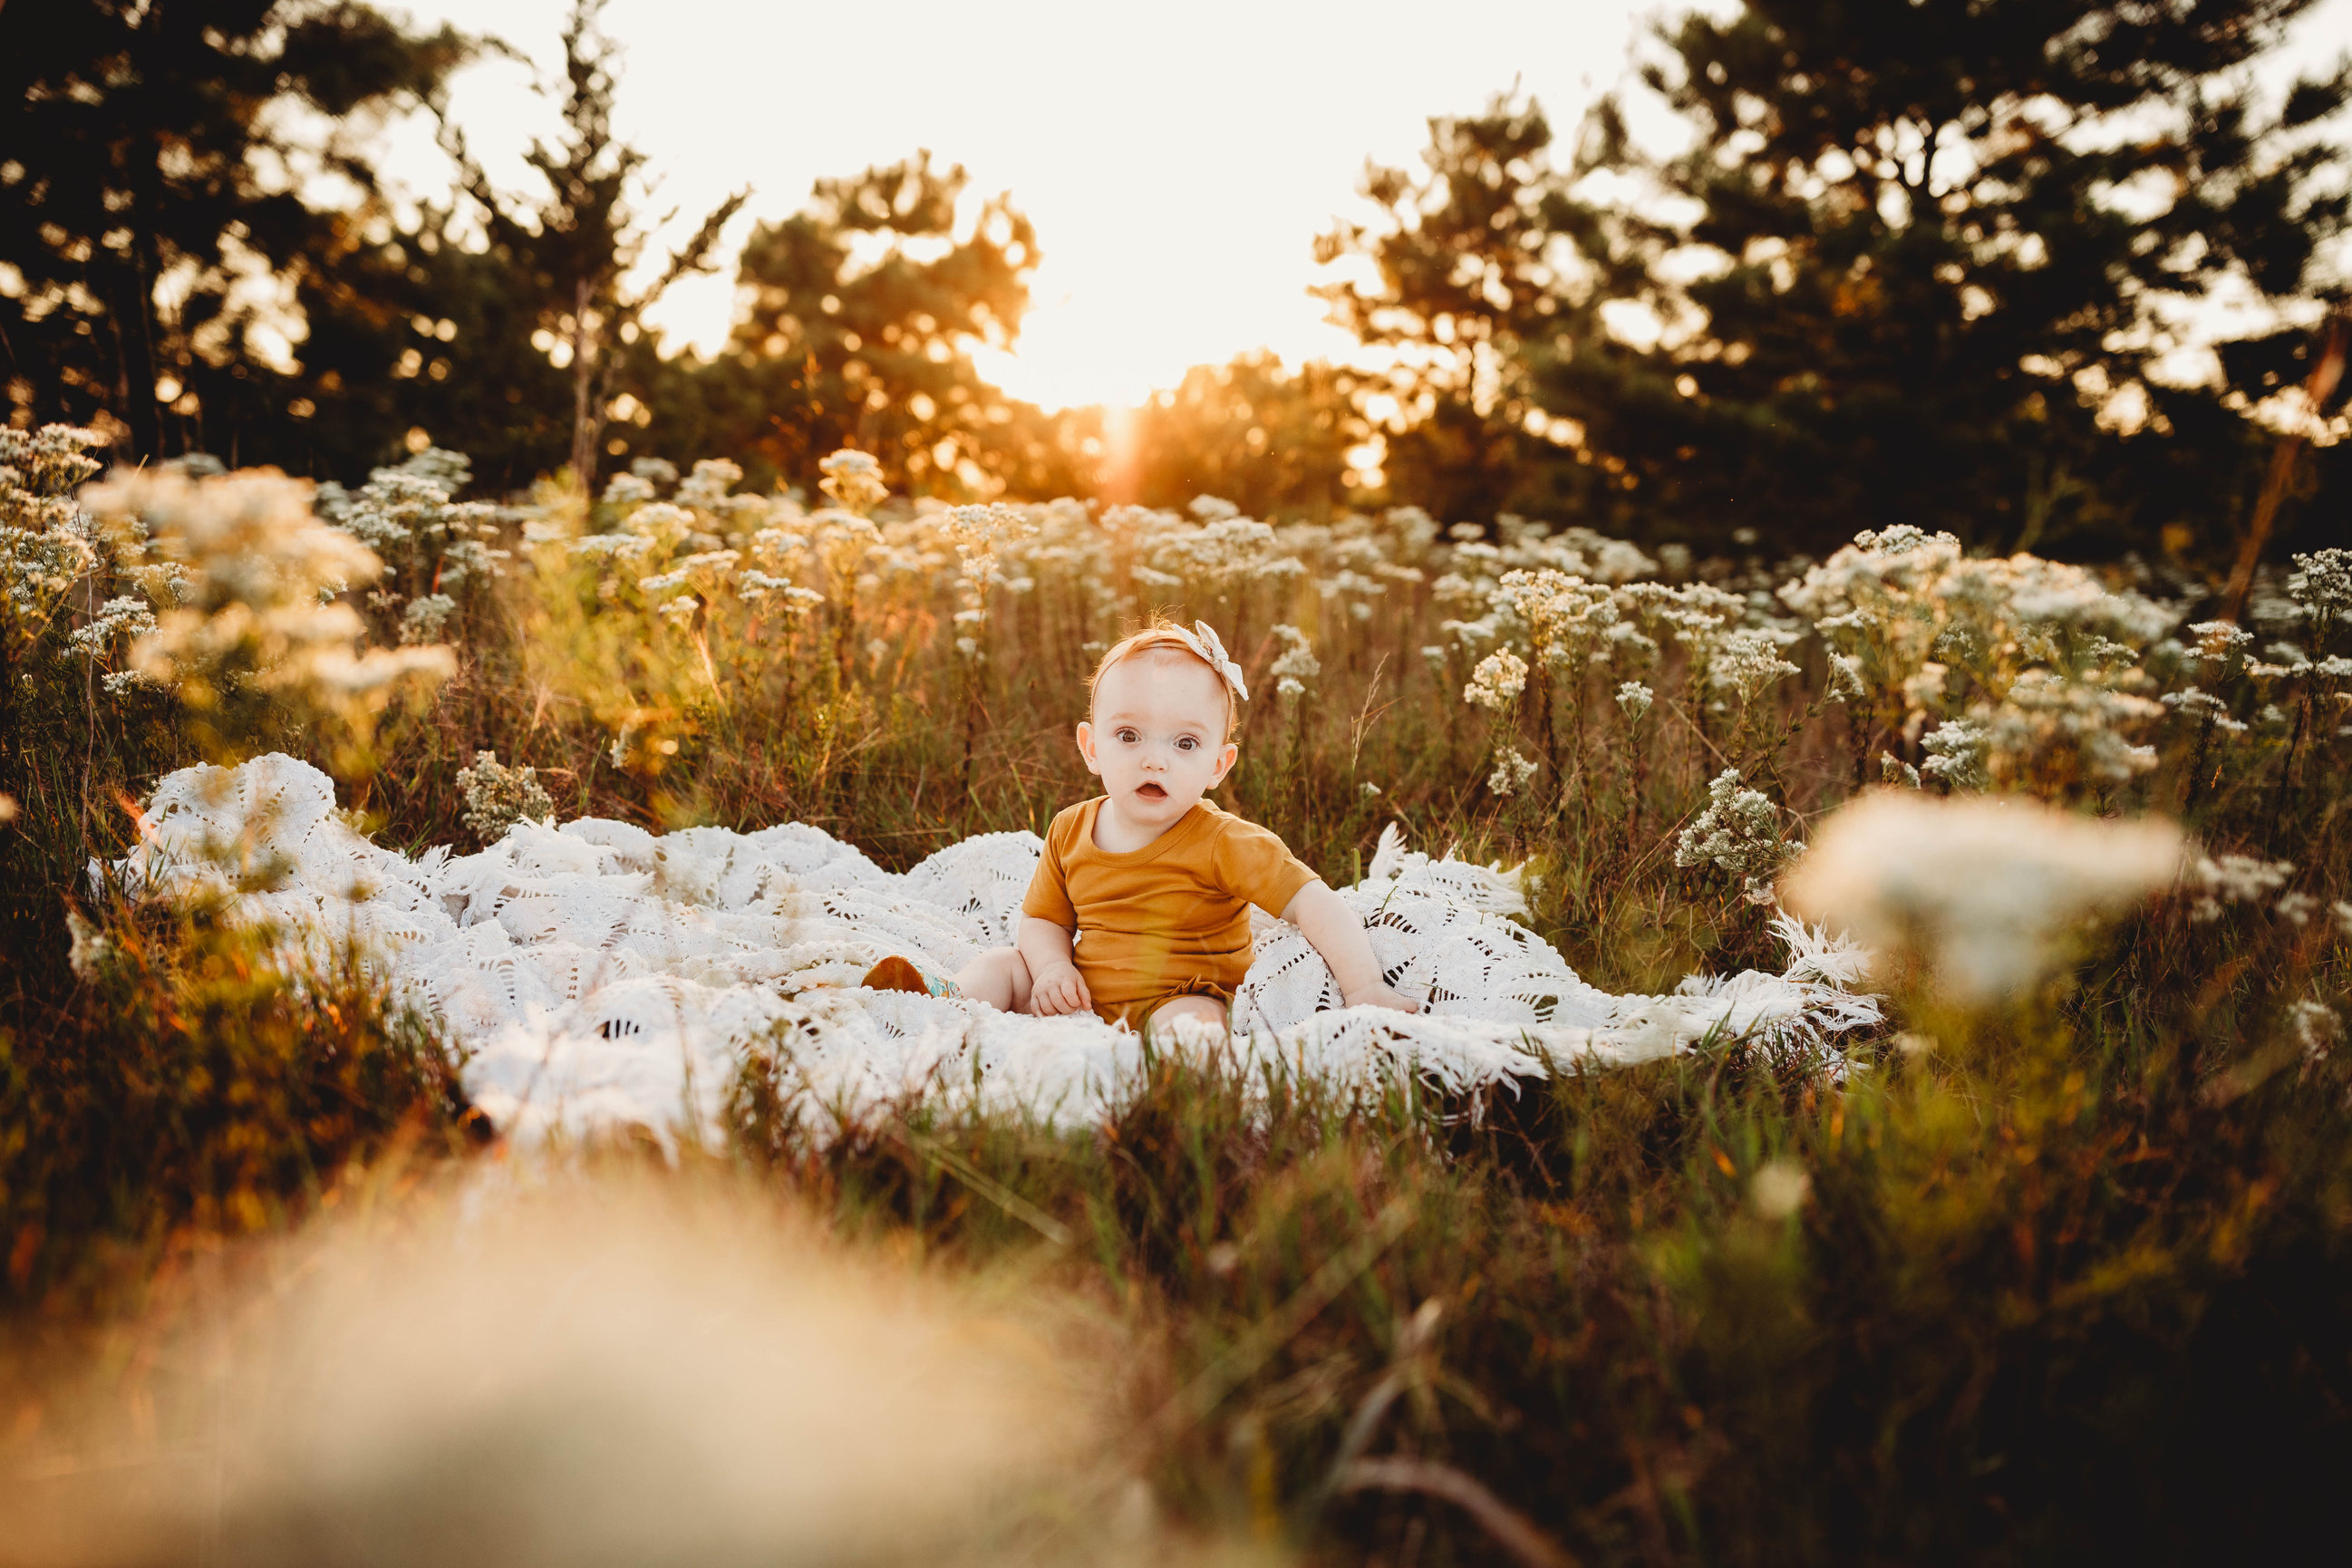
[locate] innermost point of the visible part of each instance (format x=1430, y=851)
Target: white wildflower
x=679, y=612
x=1985, y=887
x=1892, y=769
x=496, y=797
x=1778, y=1189
x=1635, y=698
x=2315, y=1027
x=2219, y=641
x=2321, y=584
x=626, y=491
x=854, y=480
x=1748, y=660
x=1511, y=773
x=120, y=617
x=422, y=619
x=1498, y=681
x=90, y=946
x=1738, y=833
x=1845, y=677
x=1296, y=665
x=2219, y=879
x=1956, y=753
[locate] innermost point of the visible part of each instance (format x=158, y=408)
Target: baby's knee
x=1205, y=1010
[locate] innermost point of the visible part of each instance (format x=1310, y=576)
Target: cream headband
x=1203, y=641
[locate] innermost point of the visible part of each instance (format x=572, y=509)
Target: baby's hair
x=1157, y=632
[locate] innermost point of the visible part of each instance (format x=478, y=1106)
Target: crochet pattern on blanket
x=596, y=974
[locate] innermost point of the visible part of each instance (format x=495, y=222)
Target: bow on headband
x=1203, y=641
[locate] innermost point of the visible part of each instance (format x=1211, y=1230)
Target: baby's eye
x=1127, y=737
x=1187, y=743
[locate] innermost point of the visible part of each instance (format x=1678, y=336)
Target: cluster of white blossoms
x=2321, y=585
x=433, y=550
x=1498, y=681
x=2216, y=881
x=1512, y=772
x=1737, y=834
x=496, y=797
x=255, y=602
x=46, y=544
x=2040, y=659
x=1296, y=666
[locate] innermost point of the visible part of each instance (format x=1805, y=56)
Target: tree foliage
x=148, y=214
x=857, y=320
x=1922, y=262
x=1273, y=441
x=1952, y=245
x=1457, y=284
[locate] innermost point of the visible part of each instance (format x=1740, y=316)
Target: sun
x=1081, y=349
x=1111, y=335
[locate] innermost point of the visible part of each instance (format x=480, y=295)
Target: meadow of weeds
x=2054, y=1268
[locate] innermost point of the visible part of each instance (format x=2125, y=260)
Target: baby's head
x=1165, y=704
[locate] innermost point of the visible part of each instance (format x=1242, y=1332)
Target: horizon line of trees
x=1924, y=263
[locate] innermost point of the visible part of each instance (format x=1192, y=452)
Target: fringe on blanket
x=596, y=974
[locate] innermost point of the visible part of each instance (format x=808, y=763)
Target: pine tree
x=1458, y=285
x=1921, y=263
x=575, y=245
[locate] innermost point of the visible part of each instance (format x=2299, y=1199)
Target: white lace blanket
x=596, y=974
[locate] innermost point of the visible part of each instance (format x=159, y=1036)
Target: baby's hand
x=1058, y=991
x=1379, y=995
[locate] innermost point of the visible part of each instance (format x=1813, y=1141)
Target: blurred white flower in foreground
x=582, y=1373
x=1986, y=888
x=1780, y=1189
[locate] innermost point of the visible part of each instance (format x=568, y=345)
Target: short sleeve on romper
x=1048, y=898
x=1254, y=864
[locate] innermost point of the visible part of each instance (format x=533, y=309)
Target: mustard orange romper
x=1169, y=919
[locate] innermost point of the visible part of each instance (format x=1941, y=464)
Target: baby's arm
x=1054, y=984
x=1339, y=937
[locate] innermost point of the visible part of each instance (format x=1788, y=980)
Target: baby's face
x=1157, y=739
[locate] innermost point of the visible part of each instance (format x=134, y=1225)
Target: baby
x=1140, y=908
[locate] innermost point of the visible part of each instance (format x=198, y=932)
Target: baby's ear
x=1225, y=759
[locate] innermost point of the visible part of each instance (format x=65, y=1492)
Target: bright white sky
x=1177, y=161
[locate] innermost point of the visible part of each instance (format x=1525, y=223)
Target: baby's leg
x=999, y=977
x=1207, y=1009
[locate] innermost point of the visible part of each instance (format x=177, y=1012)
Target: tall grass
x=2060, y=1277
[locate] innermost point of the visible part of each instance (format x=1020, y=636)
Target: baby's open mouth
x=1151, y=792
